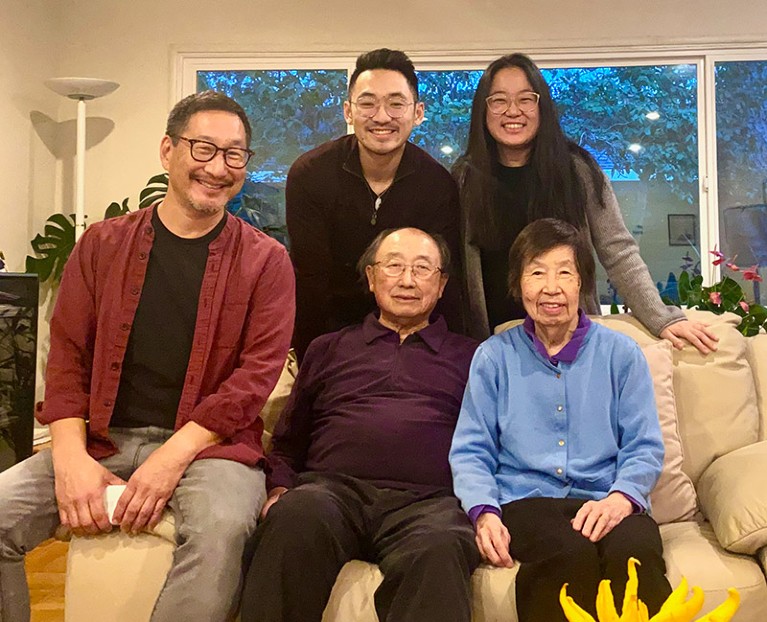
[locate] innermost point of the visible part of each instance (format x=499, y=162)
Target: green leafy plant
x=53, y=247
x=725, y=295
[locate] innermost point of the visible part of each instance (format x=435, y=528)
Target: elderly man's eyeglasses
x=397, y=268
x=526, y=101
x=204, y=151
x=394, y=105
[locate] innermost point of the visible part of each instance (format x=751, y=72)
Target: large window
x=644, y=118
x=640, y=123
x=741, y=132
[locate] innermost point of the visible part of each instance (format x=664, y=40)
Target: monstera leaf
x=52, y=247
x=115, y=209
x=156, y=189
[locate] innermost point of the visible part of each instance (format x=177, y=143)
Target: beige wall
x=28, y=47
x=133, y=43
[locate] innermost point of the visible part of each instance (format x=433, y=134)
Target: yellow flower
x=677, y=607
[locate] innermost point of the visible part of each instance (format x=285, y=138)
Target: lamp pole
x=82, y=90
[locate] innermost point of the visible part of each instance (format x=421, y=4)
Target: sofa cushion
x=691, y=548
x=352, y=595
x=673, y=497
x=733, y=496
x=115, y=577
x=712, y=422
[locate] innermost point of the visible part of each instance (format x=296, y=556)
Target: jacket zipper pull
x=376, y=205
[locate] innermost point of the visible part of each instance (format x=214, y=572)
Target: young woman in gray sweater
x=519, y=167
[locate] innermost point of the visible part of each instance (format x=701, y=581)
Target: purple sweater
x=367, y=406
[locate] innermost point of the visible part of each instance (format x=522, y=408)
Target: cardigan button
x=134, y=291
x=124, y=326
x=114, y=366
x=561, y=443
x=559, y=471
x=142, y=255
x=560, y=408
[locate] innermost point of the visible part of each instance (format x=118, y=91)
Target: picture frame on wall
x=683, y=230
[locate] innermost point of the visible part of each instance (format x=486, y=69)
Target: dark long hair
x=555, y=189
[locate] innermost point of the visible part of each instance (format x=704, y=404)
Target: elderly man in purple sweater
x=359, y=465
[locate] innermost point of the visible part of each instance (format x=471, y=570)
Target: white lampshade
x=81, y=88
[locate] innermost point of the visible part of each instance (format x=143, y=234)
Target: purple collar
x=432, y=335
x=570, y=351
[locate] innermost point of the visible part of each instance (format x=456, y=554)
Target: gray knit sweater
x=617, y=251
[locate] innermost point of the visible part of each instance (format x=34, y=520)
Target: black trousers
x=552, y=553
x=424, y=546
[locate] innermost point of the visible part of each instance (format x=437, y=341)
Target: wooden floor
x=46, y=567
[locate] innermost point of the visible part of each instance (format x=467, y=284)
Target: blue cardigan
x=528, y=428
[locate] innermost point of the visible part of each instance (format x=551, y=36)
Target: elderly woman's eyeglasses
x=397, y=268
x=204, y=151
x=394, y=105
x=526, y=101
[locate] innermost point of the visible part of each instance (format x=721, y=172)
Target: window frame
x=704, y=57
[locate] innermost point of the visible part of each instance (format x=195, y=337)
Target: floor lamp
x=81, y=89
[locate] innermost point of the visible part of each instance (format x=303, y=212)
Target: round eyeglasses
x=397, y=268
x=526, y=101
x=394, y=105
x=205, y=151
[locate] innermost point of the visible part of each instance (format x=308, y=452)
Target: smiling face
x=203, y=187
x=406, y=301
x=513, y=131
x=551, y=288
x=380, y=134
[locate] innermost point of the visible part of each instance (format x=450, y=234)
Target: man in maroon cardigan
x=170, y=329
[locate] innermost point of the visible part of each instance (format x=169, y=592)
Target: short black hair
x=201, y=102
x=539, y=237
x=368, y=257
x=384, y=58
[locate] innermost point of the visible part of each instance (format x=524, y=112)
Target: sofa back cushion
x=279, y=397
x=757, y=358
x=715, y=395
x=673, y=498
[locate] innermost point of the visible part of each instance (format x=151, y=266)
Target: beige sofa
x=713, y=413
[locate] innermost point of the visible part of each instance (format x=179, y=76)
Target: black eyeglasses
x=205, y=151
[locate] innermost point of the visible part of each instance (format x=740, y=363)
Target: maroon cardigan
x=242, y=334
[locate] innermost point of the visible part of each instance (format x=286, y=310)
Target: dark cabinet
x=18, y=358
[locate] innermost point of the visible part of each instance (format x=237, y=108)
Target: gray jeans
x=216, y=506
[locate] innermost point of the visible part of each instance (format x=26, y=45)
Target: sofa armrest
x=733, y=496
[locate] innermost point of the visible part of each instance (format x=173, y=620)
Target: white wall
x=28, y=53
x=133, y=43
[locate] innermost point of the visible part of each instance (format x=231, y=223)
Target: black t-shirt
x=511, y=205
x=161, y=337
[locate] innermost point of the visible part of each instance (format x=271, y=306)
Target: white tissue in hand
x=111, y=496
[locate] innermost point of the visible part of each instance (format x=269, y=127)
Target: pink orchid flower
x=752, y=274
x=715, y=297
x=732, y=266
x=744, y=305
x=720, y=258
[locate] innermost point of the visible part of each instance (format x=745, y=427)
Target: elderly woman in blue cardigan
x=558, y=444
